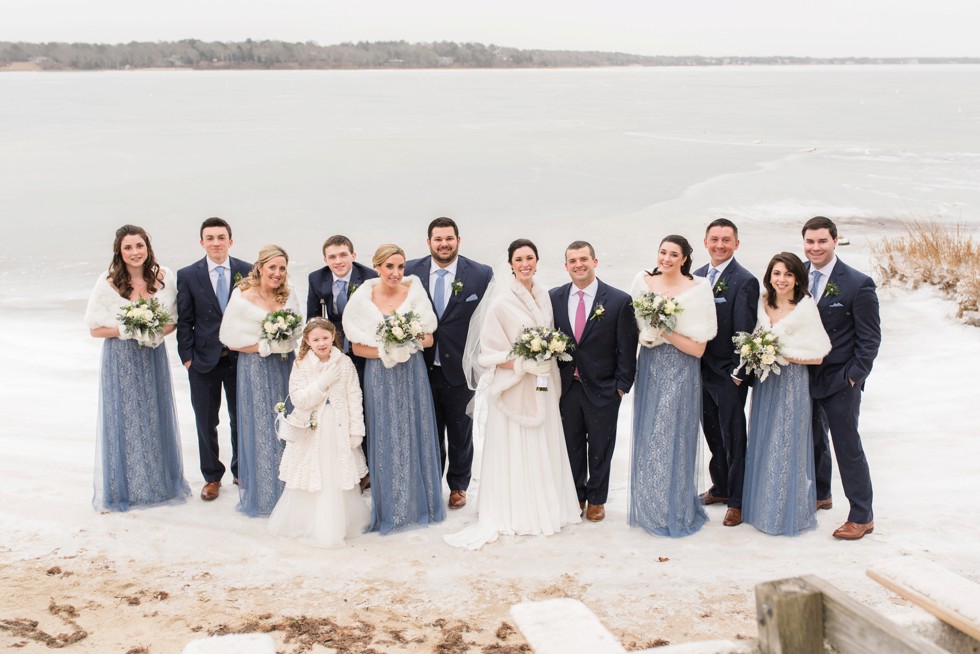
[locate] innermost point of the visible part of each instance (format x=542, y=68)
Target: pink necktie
x=580, y=316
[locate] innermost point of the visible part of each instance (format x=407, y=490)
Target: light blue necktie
x=221, y=289
x=439, y=297
x=712, y=276
x=815, y=286
x=340, y=295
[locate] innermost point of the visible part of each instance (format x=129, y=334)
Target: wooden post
x=790, y=615
x=799, y=614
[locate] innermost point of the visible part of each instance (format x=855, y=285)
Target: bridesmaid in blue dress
x=663, y=497
x=779, y=494
x=403, y=451
x=138, y=460
x=263, y=376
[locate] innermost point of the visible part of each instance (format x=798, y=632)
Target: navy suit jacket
x=737, y=308
x=606, y=355
x=849, y=311
x=320, y=294
x=455, y=321
x=199, y=314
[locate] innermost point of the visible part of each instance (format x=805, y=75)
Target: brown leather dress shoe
x=595, y=513
x=210, y=491
x=733, y=518
x=826, y=504
x=457, y=499
x=365, y=483
x=707, y=498
x=854, y=530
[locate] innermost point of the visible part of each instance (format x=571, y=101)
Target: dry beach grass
x=939, y=255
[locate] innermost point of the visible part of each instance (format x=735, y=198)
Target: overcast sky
x=891, y=28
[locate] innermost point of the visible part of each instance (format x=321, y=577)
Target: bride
x=526, y=482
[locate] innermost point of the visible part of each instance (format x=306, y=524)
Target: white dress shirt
x=825, y=274
x=434, y=269
x=213, y=274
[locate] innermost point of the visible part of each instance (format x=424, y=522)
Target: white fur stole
x=800, y=332
x=105, y=304
x=698, y=320
x=362, y=318
x=241, y=325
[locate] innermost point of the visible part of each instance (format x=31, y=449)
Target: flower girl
x=323, y=462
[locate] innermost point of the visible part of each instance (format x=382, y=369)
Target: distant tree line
x=249, y=54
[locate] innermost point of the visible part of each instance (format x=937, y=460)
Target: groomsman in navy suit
x=203, y=289
x=455, y=285
x=723, y=391
x=848, y=305
x=332, y=285
x=600, y=322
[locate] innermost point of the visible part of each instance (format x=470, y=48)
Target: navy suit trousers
x=838, y=413
x=590, y=437
x=206, y=399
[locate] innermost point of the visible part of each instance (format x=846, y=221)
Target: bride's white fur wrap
x=241, y=325
x=800, y=332
x=300, y=465
x=105, y=304
x=515, y=389
x=362, y=317
x=698, y=320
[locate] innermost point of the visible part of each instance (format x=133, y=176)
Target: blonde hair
x=314, y=323
x=384, y=252
x=253, y=278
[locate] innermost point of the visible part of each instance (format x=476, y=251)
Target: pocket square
x=720, y=300
x=472, y=298
x=836, y=305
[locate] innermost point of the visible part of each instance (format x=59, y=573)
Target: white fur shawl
x=105, y=303
x=800, y=332
x=300, y=465
x=362, y=316
x=512, y=390
x=698, y=320
x=241, y=325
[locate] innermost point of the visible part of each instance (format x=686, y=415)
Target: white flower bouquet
x=400, y=336
x=144, y=320
x=536, y=347
x=658, y=309
x=278, y=329
x=759, y=352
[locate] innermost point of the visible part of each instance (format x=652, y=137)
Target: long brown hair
x=119, y=273
x=253, y=278
x=314, y=323
x=794, y=266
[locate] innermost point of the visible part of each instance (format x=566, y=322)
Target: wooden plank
x=564, y=626
x=853, y=628
x=790, y=614
x=943, y=593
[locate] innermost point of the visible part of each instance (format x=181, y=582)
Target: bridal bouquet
x=759, y=351
x=144, y=320
x=538, y=346
x=659, y=310
x=400, y=336
x=277, y=331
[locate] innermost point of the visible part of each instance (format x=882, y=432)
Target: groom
x=600, y=322
x=203, y=289
x=455, y=285
x=848, y=307
x=723, y=391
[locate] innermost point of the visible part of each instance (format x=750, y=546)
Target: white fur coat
x=300, y=465
x=105, y=304
x=362, y=317
x=698, y=320
x=800, y=332
x=241, y=325
x=513, y=390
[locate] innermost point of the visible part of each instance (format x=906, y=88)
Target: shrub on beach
x=939, y=255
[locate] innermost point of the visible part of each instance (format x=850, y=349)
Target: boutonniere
x=236, y=279
x=832, y=290
x=457, y=287
x=351, y=288
x=720, y=286
x=598, y=312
